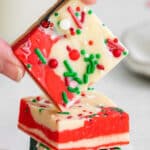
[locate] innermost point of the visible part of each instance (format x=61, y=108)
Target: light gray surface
x=129, y=91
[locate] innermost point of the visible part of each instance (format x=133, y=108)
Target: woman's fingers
x=89, y=1
x=9, y=64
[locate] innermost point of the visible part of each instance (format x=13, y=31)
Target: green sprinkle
x=90, y=88
x=77, y=80
x=65, y=98
x=74, y=90
x=96, y=62
x=88, y=70
x=40, y=55
x=119, y=110
x=83, y=52
x=90, y=12
x=98, y=56
x=85, y=78
x=41, y=109
x=78, y=31
x=70, y=74
x=92, y=56
x=34, y=100
x=93, y=115
x=86, y=59
x=92, y=66
x=77, y=14
x=56, y=14
x=105, y=41
x=29, y=66
x=64, y=113
x=117, y=148
x=42, y=145
x=58, y=23
x=125, y=53
x=68, y=66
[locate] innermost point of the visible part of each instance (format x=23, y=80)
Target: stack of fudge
x=66, y=52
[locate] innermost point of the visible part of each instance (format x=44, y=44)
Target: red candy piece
x=45, y=24
x=53, y=63
x=74, y=55
x=117, y=53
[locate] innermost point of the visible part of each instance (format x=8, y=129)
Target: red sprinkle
x=91, y=42
x=74, y=54
x=68, y=48
x=100, y=67
x=53, y=63
x=47, y=102
x=72, y=31
x=66, y=81
x=69, y=117
x=117, y=53
x=51, y=25
x=116, y=40
x=78, y=8
x=65, y=36
x=78, y=23
x=82, y=16
x=45, y=24
x=38, y=98
x=80, y=115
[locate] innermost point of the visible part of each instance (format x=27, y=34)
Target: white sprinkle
x=65, y=24
x=87, y=55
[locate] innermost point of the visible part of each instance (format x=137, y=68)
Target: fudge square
x=69, y=51
x=92, y=123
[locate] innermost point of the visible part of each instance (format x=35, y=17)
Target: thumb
x=9, y=64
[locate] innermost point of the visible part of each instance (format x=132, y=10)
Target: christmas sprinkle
x=90, y=12
x=78, y=31
x=65, y=98
x=41, y=109
x=64, y=113
x=40, y=55
x=78, y=23
x=56, y=14
x=68, y=66
x=34, y=100
x=29, y=66
x=41, y=145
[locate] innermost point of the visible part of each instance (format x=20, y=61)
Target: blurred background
x=130, y=21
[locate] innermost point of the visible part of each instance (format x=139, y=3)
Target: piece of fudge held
x=93, y=123
x=34, y=145
x=68, y=52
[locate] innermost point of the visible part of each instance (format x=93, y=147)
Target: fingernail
x=13, y=71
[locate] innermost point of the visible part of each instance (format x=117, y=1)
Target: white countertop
x=129, y=91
